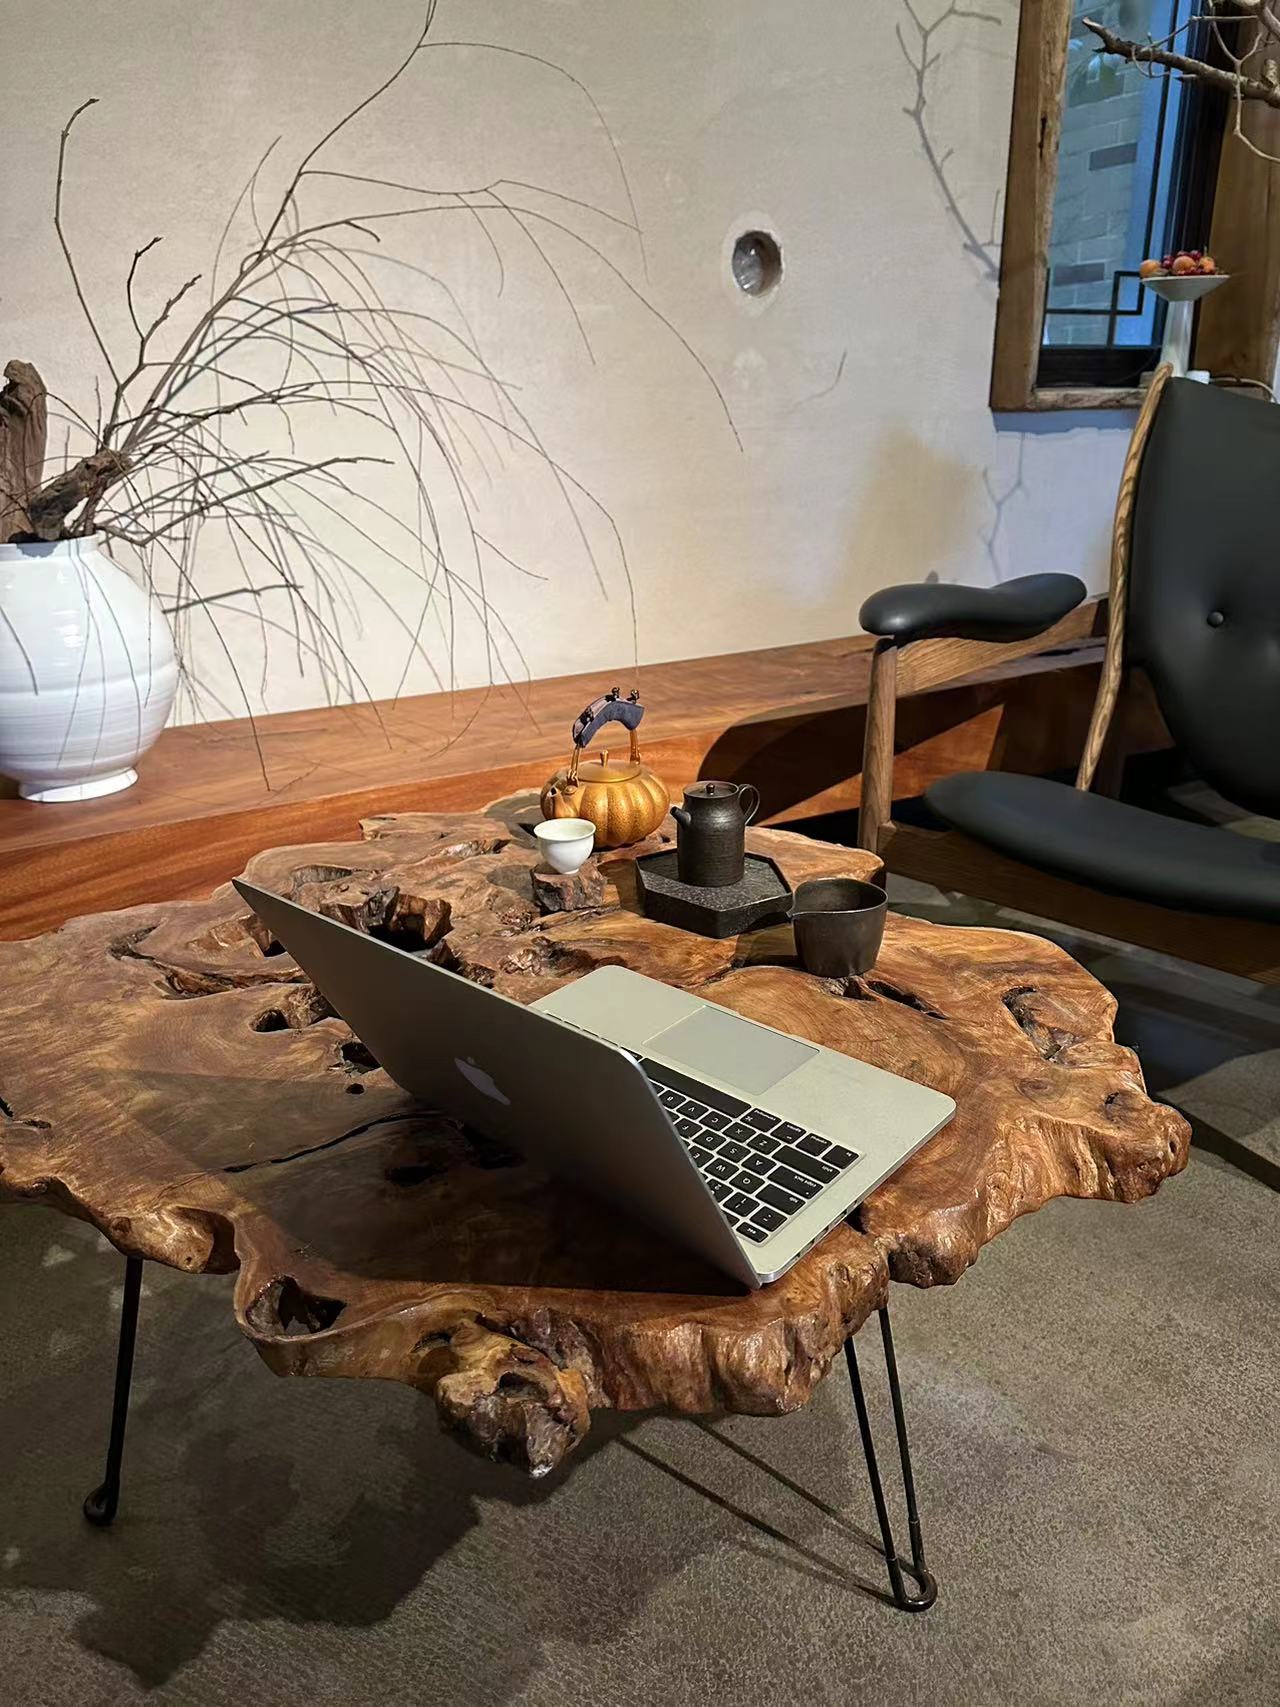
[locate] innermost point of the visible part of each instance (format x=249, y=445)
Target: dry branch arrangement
x=1233, y=46
x=203, y=421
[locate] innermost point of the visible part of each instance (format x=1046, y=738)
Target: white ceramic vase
x=87, y=671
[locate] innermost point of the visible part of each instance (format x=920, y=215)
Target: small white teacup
x=565, y=842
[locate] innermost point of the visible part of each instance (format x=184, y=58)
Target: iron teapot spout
x=681, y=815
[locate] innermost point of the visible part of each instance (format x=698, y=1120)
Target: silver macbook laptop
x=739, y=1141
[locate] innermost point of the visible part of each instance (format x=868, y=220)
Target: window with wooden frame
x=1108, y=164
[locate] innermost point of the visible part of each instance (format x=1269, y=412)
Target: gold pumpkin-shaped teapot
x=623, y=799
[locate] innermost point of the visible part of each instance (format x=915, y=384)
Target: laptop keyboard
x=760, y=1169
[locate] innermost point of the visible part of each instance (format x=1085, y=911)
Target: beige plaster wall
x=857, y=389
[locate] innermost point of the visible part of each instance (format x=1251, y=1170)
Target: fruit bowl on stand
x=1181, y=280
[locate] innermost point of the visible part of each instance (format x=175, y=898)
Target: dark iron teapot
x=712, y=833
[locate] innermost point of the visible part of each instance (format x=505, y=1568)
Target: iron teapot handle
x=609, y=708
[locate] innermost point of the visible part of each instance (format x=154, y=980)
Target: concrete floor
x=1093, y=1409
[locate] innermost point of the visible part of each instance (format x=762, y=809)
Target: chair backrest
x=1203, y=601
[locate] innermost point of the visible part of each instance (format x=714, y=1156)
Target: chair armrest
x=929, y=610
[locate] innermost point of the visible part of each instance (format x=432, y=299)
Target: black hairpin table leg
x=928, y=1587
x=101, y=1505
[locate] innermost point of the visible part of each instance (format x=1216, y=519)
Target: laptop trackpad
x=726, y=1046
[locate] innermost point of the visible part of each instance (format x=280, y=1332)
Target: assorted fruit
x=1180, y=265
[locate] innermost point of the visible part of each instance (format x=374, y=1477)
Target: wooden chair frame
x=953, y=861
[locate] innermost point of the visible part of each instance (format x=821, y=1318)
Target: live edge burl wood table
x=168, y=1074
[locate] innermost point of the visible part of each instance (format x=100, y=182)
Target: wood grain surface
x=1113, y=663
x=1249, y=948
x=169, y=1075
x=1044, y=27
x=1238, y=327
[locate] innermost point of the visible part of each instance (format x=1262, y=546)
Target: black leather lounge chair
x=1195, y=605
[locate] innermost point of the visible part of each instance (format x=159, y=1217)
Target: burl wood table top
x=168, y=1074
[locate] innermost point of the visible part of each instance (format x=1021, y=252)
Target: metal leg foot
x=102, y=1504
x=928, y=1588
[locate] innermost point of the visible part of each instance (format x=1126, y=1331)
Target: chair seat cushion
x=1109, y=845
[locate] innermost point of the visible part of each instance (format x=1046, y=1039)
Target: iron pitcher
x=711, y=838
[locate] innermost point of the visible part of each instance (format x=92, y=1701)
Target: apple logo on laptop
x=480, y=1079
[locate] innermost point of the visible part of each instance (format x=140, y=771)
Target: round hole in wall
x=756, y=263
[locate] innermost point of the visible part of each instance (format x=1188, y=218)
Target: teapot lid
x=605, y=769
x=594, y=769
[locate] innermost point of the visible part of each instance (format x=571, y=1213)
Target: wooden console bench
x=789, y=718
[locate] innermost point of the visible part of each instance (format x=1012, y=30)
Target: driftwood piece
x=169, y=1075
x=23, y=437
x=84, y=483
x=569, y=891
